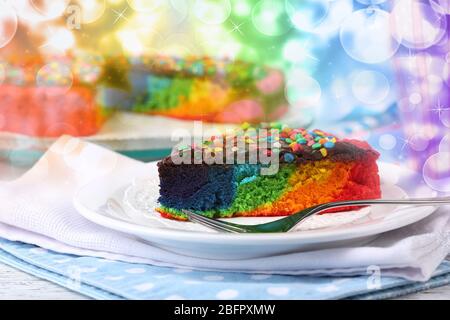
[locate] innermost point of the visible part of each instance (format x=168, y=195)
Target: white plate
x=136, y=197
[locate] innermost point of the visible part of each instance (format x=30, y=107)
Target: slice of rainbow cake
x=312, y=167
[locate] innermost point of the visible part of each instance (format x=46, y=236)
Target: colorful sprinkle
x=286, y=129
x=298, y=140
x=329, y=144
x=318, y=132
x=276, y=125
x=296, y=147
x=289, y=157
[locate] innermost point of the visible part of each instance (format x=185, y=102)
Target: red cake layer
x=49, y=111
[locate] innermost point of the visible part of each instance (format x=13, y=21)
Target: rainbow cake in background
x=75, y=94
x=49, y=99
x=193, y=88
x=314, y=167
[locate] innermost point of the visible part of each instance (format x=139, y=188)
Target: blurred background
x=376, y=70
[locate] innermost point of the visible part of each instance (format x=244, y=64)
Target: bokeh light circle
x=241, y=8
x=418, y=142
x=249, y=53
x=8, y=24
x=212, y=11
x=425, y=69
x=436, y=171
x=303, y=90
x=338, y=11
x=306, y=15
x=32, y=12
x=370, y=87
x=415, y=98
x=446, y=70
x=433, y=83
x=441, y=6
x=87, y=66
x=444, y=145
x=445, y=116
x=91, y=10
x=50, y=9
x=181, y=8
x=365, y=36
x=405, y=105
x=58, y=40
x=424, y=191
x=295, y=50
x=416, y=25
x=431, y=130
x=425, y=74
x=140, y=41
x=145, y=6
x=340, y=96
x=387, y=141
x=55, y=74
x=371, y=2
x=270, y=18
x=443, y=43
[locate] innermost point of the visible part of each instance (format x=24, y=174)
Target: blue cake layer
x=197, y=187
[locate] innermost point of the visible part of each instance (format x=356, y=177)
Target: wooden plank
x=15, y=284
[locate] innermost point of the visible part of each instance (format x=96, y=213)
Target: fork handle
x=298, y=217
x=415, y=201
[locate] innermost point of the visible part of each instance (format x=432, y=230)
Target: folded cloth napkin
x=37, y=209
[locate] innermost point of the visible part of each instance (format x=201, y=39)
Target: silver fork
x=287, y=223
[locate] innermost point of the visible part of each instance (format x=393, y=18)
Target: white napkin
x=37, y=209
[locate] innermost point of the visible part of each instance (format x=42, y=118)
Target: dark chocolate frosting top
x=291, y=145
